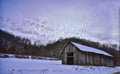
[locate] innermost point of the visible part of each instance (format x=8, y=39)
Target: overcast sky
x=96, y=20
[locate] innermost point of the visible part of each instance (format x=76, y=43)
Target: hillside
x=17, y=45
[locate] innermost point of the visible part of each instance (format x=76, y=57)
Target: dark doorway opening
x=70, y=58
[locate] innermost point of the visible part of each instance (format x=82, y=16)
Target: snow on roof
x=90, y=49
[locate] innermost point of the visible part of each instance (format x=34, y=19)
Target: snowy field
x=34, y=66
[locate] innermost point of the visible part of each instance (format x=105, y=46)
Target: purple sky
x=90, y=19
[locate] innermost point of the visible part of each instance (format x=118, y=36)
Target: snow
x=30, y=66
x=90, y=49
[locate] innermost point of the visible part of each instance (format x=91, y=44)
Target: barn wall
x=75, y=51
x=81, y=58
x=91, y=58
x=108, y=61
x=87, y=59
x=103, y=61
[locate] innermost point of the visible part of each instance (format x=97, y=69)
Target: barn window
x=70, y=59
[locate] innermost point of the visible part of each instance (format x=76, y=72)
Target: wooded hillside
x=17, y=45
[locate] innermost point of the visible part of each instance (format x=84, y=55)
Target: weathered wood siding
x=86, y=58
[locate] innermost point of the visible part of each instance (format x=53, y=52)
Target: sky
x=50, y=20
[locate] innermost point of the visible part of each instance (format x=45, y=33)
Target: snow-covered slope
x=44, y=31
x=29, y=66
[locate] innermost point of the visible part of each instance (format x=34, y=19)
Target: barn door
x=70, y=58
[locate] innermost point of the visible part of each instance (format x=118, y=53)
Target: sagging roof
x=90, y=49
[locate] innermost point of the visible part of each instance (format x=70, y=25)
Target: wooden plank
x=82, y=58
x=87, y=59
x=91, y=58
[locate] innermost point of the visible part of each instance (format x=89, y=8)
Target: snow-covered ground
x=33, y=66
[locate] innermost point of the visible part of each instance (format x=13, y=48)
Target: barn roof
x=90, y=49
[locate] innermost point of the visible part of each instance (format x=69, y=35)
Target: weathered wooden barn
x=77, y=54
